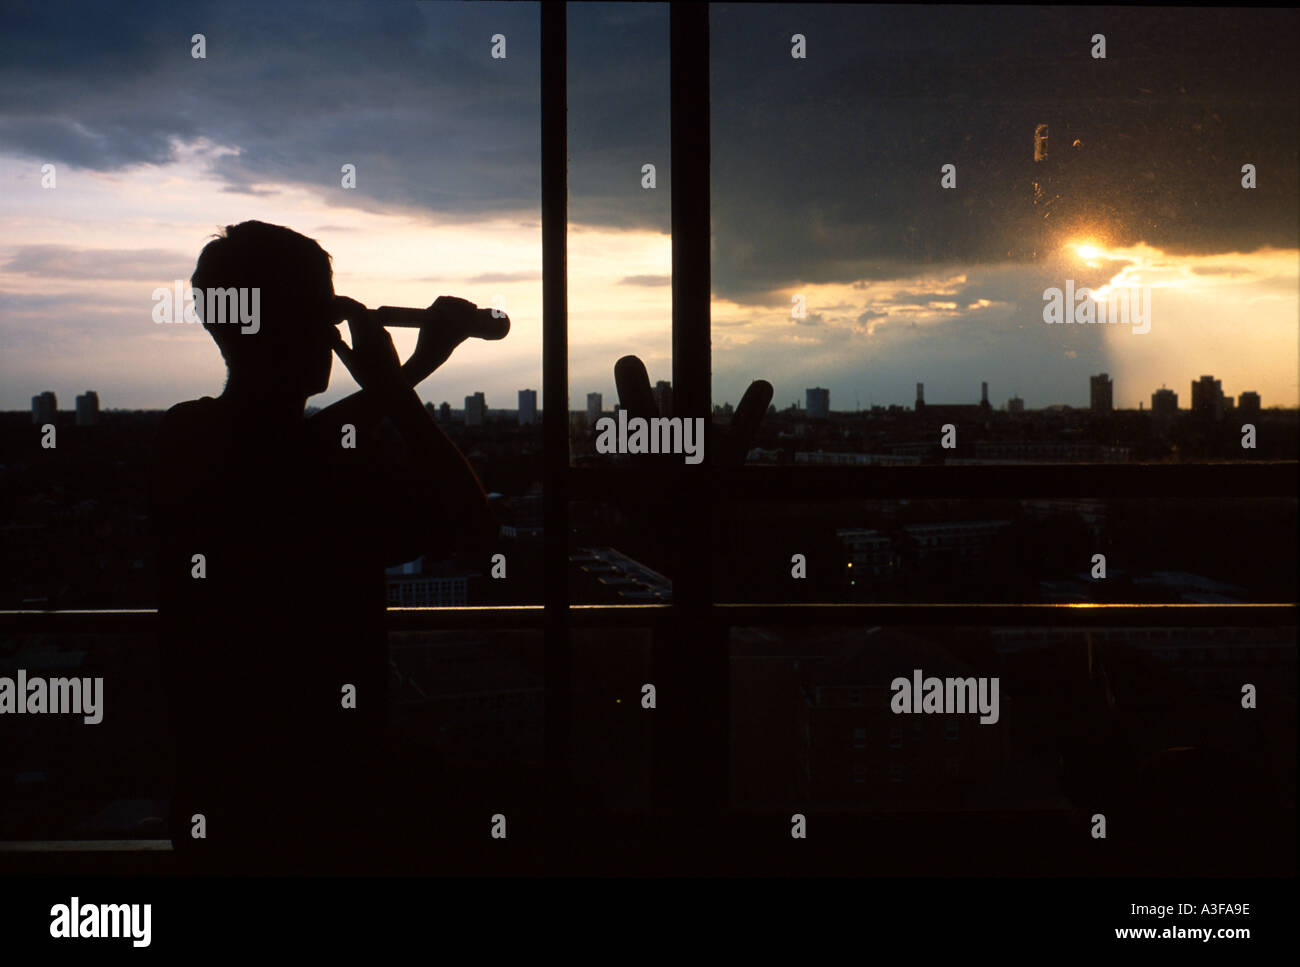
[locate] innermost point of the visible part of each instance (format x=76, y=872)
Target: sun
x=1088, y=251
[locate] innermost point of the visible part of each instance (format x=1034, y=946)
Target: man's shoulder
x=203, y=410
x=188, y=422
x=185, y=439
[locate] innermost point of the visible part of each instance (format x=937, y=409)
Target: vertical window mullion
x=691, y=661
x=558, y=713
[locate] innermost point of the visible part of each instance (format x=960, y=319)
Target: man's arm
x=448, y=328
x=434, y=468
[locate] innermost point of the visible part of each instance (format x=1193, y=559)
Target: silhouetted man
x=274, y=533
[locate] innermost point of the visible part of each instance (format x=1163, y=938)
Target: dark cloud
x=408, y=93
x=824, y=169
x=828, y=169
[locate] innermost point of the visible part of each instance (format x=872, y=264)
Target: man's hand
x=372, y=358
x=732, y=444
x=451, y=322
x=449, y=325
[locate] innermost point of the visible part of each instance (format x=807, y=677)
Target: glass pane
x=908, y=209
x=620, y=249
x=620, y=553
x=1030, y=551
x=1017, y=738
x=401, y=140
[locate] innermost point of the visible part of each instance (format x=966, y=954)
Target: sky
x=826, y=183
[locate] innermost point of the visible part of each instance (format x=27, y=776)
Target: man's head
x=287, y=349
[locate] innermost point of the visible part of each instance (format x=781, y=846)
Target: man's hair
x=295, y=278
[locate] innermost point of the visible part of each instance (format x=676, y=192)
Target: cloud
x=65, y=263
x=647, y=280
x=488, y=278
x=250, y=190
x=827, y=170
x=823, y=170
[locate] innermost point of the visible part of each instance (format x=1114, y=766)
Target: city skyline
x=527, y=400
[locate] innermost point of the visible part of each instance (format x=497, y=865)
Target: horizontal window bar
x=641, y=615
x=1027, y=615
x=1136, y=480
x=86, y=846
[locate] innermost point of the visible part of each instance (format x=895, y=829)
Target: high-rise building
x=594, y=408
x=1102, y=394
x=920, y=396
x=1164, y=401
x=984, y=394
x=1207, y=397
x=1248, y=403
x=1164, y=407
x=45, y=408
x=475, y=410
x=1015, y=405
x=88, y=408
x=444, y=412
x=527, y=407
x=663, y=394
x=817, y=403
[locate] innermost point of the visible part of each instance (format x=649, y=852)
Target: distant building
x=952, y=412
x=1248, y=403
x=858, y=754
x=817, y=403
x=527, y=407
x=606, y=575
x=871, y=558
x=1102, y=394
x=663, y=394
x=984, y=394
x=595, y=406
x=88, y=408
x=1015, y=405
x=1164, y=407
x=45, y=408
x=523, y=518
x=475, y=410
x=1207, y=398
x=444, y=412
x=823, y=458
x=415, y=585
x=957, y=538
x=1024, y=451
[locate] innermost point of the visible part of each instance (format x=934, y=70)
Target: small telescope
x=484, y=323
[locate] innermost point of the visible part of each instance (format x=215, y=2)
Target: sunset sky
x=825, y=172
